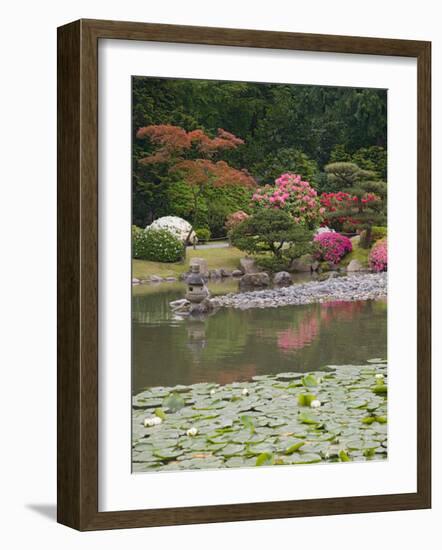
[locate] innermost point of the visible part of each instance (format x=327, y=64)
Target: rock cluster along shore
x=370, y=286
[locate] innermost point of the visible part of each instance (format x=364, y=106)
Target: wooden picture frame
x=78, y=274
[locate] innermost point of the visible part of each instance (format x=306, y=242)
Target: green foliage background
x=285, y=127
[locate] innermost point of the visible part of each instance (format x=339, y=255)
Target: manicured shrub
x=157, y=245
x=378, y=232
x=270, y=230
x=136, y=231
x=273, y=263
x=378, y=259
x=203, y=233
x=332, y=247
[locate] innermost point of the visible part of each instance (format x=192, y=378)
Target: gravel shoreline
x=371, y=286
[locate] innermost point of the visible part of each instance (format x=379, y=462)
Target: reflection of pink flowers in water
x=308, y=328
x=298, y=337
x=340, y=310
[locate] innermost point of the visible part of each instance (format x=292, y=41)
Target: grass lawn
x=360, y=254
x=215, y=257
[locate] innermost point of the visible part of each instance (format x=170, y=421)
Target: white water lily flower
x=152, y=421
x=245, y=391
x=315, y=404
x=212, y=392
x=191, y=432
x=379, y=376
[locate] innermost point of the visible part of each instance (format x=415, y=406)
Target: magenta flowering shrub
x=295, y=196
x=235, y=219
x=332, y=247
x=378, y=258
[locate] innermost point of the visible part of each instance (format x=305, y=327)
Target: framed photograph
x=243, y=274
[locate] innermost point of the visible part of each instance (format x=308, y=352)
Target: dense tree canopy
x=284, y=128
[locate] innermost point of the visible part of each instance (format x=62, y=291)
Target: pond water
x=234, y=345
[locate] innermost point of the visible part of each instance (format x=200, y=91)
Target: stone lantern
x=196, y=286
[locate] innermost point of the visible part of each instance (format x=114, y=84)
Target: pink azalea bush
x=235, y=219
x=332, y=247
x=378, y=258
x=292, y=194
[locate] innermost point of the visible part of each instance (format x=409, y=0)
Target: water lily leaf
x=293, y=447
x=380, y=389
x=145, y=403
x=305, y=399
x=288, y=376
x=160, y=413
x=357, y=404
x=307, y=419
x=265, y=459
x=310, y=381
x=174, y=402
x=306, y=458
x=231, y=450
x=167, y=454
x=355, y=444
x=344, y=456
x=240, y=437
x=369, y=452
x=247, y=422
x=260, y=448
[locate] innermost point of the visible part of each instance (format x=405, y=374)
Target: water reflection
x=235, y=345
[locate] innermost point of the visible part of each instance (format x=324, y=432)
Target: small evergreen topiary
x=203, y=233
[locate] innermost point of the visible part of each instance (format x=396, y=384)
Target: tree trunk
x=365, y=241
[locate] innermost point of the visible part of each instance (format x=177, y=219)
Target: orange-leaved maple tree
x=192, y=155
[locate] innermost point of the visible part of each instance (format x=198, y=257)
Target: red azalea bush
x=293, y=195
x=341, y=201
x=378, y=259
x=235, y=219
x=332, y=247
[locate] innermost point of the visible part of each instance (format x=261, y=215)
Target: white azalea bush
x=175, y=225
x=156, y=245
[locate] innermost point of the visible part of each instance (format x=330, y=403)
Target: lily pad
x=174, y=402
x=265, y=459
x=273, y=420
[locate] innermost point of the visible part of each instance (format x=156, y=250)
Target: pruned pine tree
x=367, y=204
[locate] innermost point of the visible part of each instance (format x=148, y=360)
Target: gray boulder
x=304, y=264
x=237, y=273
x=355, y=265
x=254, y=280
x=215, y=274
x=282, y=278
x=155, y=279
x=248, y=265
x=203, y=308
x=180, y=306
x=225, y=272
